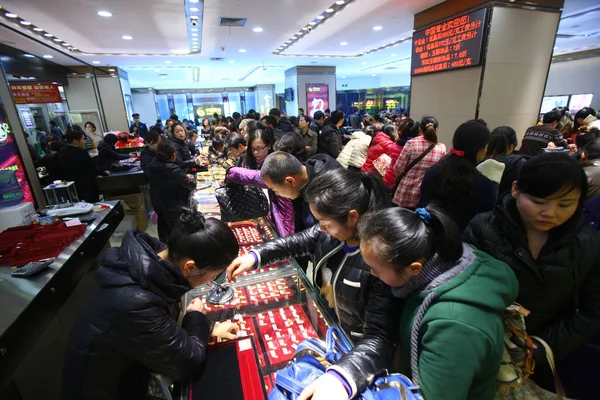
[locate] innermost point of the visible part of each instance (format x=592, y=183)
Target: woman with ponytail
x=455, y=181
x=130, y=327
x=410, y=173
x=501, y=147
x=451, y=332
x=338, y=199
x=408, y=129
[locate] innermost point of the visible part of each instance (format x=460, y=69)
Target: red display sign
x=35, y=93
x=317, y=98
x=453, y=44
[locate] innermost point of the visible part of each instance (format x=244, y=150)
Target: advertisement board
x=317, y=98
x=35, y=93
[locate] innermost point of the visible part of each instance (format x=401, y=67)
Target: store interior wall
x=113, y=103
x=81, y=96
x=575, y=77
x=144, y=103
x=513, y=86
x=449, y=96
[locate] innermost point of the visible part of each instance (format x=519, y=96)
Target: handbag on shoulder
x=313, y=357
x=241, y=203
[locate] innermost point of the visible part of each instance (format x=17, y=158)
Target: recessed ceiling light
x=105, y=14
x=28, y=55
x=194, y=34
x=194, y=39
x=194, y=9
x=364, y=63
x=57, y=40
x=344, y=44
x=243, y=50
x=373, y=74
x=320, y=16
x=111, y=70
x=168, y=62
x=194, y=29
x=11, y=15
x=258, y=29
x=38, y=29
x=95, y=62
x=48, y=35
x=377, y=28
x=127, y=37
x=340, y=2
x=65, y=44
x=48, y=56
x=330, y=10
x=231, y=62
x=26, y=23
x=393, y=55
x=194, y=1
x=312, y=23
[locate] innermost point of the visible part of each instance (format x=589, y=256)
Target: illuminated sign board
x=457, y=43
x=317, y=98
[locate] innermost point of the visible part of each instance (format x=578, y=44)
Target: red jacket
x=381, y=144
x=389, y=179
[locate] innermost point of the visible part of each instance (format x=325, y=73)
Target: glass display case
x=276, y=305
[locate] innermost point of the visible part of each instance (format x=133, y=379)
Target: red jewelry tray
x=268, y=292
x=246, y=233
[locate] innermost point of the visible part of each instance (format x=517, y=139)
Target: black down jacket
x=170, y=189
x=184, y=157
x=330, y=141
x=130, y=329
x=561, y=288
x=359, y=296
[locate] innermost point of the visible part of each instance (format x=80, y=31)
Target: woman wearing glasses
x=260, y=145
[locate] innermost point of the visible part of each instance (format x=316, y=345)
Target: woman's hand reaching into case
x=239, y=266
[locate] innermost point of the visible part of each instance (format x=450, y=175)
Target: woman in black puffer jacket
x=130, y=328
x=538, y=231
x=184, y=157
x=338, y=199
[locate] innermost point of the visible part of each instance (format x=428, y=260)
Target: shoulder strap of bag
x=412, y=164
x=560, y=390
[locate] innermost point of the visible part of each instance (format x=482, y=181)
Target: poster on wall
x=317, y=98
x=14, y=187
x=35, y=93
x=26, y=117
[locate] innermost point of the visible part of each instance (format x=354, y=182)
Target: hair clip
x=424, y=215
x=458, y=153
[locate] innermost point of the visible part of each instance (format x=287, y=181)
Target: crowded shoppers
x=184, y=157
x=451, y=334
x=107, y=153
x=455, y=183
x=407, y=129
x=417, y=156
x=381, y=144
x=538, y=230
x=338, y=198
x=130, y=328
x=170, y=188
x=539, y=137
x=503, y=142
x=318, y=122
x=308, y=136
x=76, y=165
x=330, y=140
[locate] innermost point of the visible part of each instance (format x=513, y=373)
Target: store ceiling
x=161, y=29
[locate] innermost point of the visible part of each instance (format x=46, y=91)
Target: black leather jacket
x=359, y=296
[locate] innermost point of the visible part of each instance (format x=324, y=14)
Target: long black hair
x=501, y=138
x=234, y=140
x=408, y=129
x=208, y=242
x=335, y=193
x=266, y=135
x=458, y=172
x=429, y=126
x=550, y=173
x=400, y=236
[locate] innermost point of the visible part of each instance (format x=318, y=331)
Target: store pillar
x=310, y=88
x=482, y=59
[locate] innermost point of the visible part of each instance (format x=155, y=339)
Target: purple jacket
x=282, y=210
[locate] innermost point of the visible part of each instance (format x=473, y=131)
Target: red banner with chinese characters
x=37, y=93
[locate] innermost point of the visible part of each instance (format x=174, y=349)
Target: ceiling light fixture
x=95, y=62
x=243, y=50
x=104, y=14
x=194, y=39
x=194, y=29
x=258, y=29
x=48, y=35
x=194, y=9
x=58, y=40
x=111, y=70
x=320, y=17
x=343, y=77
x=127, y=37
x=393, y=55
x=373, y=74
x=330, y=10
x=340, y=2
x=28, y=55
x=38, y=29
x=377, y=28
x=231, y=62
x=344, y=44
x=26, y=23
x=194, y=34
x=48, y=56
x=11, y=15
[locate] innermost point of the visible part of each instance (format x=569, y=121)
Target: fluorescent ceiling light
x=340, y=2
x=194, y=1
x=312, y=23
x=26, y=23
x=48, y=35
x=330, y=10
x=127, y=37
x=194, y=9
x=243, y=50
x=105, y=14
x=194, y=34
x=111, y=70
x=258, y=29
x=320, y=17
x=48, y=56
x=38, y=29
x=377, y=28
x=28, y=55
x=344, y=44
x=11, y=15
x=194, y=29
x=95, y=62
x=57, y=40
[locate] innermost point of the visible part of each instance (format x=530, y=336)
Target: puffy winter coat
x=592, y=170
x=147, y=155
x=282, y=210
x=560, y=288
x=184, y=157
x=107, y=156
x=389, y=179
x=355, y=152
x=170, y=189
x=130, y=328
x=381, y=144
x=513, y=163
x=330, y=141
x=359, y=296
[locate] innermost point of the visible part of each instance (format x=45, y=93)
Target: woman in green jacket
x=451, y=333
